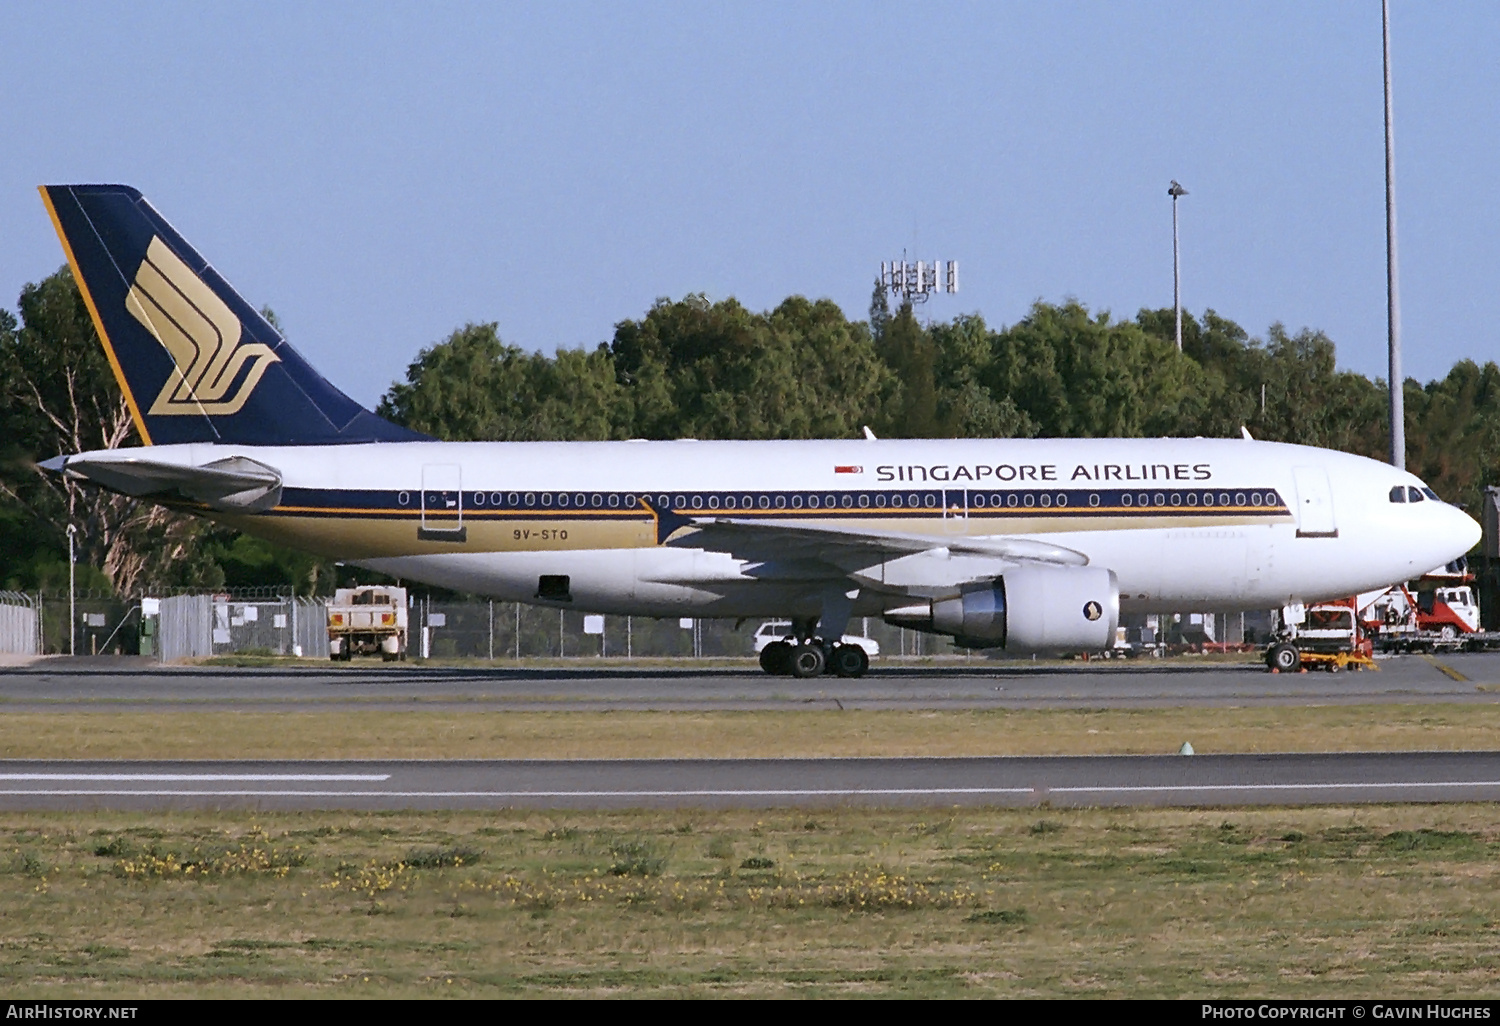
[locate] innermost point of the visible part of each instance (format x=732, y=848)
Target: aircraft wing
x=233, y=485
x=851, y=548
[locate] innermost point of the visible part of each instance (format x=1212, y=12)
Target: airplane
x=1030, y=545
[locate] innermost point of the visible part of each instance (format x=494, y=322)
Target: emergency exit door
x=442, y=504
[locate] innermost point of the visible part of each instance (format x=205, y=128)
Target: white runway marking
x=326, y=778
x=1147, y=788
x=887, y=792
x=798, y=793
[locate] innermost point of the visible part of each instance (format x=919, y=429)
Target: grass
x=1317, y=902
x=1328, y=902
x=342, y=733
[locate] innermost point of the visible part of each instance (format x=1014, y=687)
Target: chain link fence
x=512, y=630
x=187, y=625
x=20, y=626
x=169, y=625
x=199, y=626
x=183, y=626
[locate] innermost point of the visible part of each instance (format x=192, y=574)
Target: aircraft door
x=956, y=511
x=442, y=503
x=1315, y=517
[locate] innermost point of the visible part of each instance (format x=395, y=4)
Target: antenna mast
x=914, y=282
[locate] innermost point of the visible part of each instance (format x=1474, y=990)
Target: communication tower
x=914, y=282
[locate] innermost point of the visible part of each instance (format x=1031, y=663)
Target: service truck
x=364, y=621
x=1428, y=619
x=1326, y=636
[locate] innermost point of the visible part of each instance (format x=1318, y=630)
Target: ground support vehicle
x=782, y=651
x=1441, y=619
x=364, y=621
x=1328, y=636
x=1333, y=662
x=1481, y=641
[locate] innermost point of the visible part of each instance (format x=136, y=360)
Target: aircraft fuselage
x=1183, y=523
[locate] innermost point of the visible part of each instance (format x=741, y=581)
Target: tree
x=473, y=386
x=64, y=399
x=716, y=370
x=1453, y=432
x=880, y=312
x=1078, y=375
x=911, y=411
x=965, y=407
x=1309, y=401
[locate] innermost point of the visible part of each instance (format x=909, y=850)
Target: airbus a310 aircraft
x=1030, y=544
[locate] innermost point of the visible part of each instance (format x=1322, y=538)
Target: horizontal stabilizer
x=233, y=485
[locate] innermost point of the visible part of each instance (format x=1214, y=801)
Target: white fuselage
x=1184, y=523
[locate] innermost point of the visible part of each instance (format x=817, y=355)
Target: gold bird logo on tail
x=202, y=335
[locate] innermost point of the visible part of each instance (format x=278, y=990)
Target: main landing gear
x=808, y=653
x=812, y=658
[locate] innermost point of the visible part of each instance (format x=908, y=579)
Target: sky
x=381, y=174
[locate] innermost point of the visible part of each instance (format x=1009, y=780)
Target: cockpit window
x=1431, y=494
x=1398, y=493
x=1414, y=494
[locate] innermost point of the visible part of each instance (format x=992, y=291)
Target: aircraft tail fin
x=196, y=362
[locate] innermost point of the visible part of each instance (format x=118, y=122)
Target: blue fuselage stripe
x=865, y=503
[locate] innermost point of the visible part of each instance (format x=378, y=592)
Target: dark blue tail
x=197, y=363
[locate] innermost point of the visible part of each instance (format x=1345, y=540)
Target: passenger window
x=1414, y=494
x=1398, y=494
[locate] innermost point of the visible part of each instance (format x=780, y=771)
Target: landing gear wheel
x=806, y=661
x=776, y=658
x=1284, y=657
x=849, y=661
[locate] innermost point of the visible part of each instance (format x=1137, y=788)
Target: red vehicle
x=1445, y=616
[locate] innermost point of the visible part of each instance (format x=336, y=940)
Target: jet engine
x=1032, y=608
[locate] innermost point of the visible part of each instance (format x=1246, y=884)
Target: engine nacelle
x=1028, y=609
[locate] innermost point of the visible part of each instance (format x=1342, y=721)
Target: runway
x=114, y=684
x=755, y=783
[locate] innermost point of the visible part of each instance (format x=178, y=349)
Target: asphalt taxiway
x=755, y=783
x=601, y=684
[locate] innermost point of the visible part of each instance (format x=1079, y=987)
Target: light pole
x=72, y=614
x=1392, y=289
x=1176, y=191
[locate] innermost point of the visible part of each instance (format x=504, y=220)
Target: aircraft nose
x=1462, y=532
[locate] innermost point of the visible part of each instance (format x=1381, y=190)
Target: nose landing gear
x=1284, y=658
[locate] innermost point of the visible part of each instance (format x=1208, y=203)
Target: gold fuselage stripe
x=896, y=513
